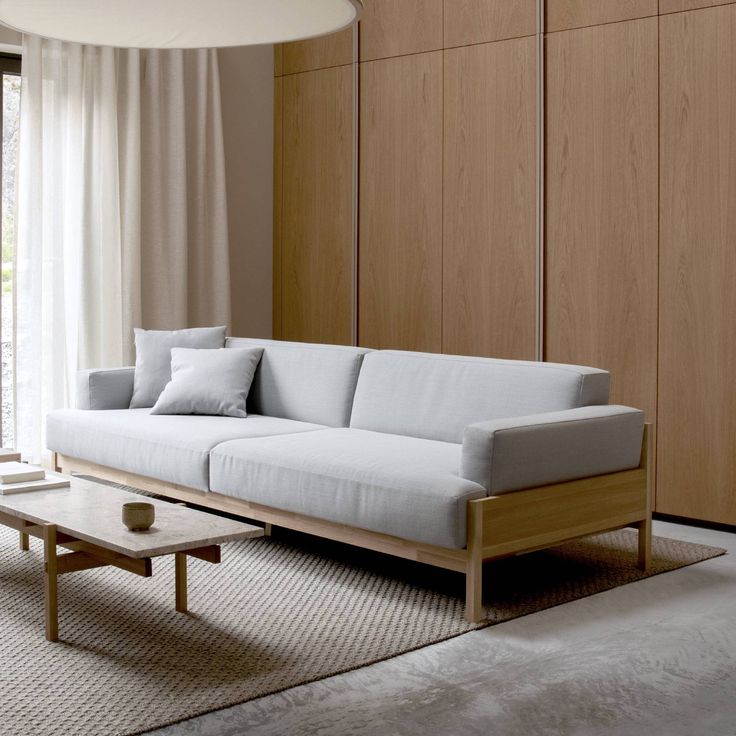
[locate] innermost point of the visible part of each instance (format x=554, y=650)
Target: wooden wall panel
x=601, y=205
x=317, y=230
x=490, y=200
x=278, y=192
x=675, y=6
x=390, y=28
x=400, y=282
x=697, y=389
x=563, y=14
x=318, y=53
x=478, y=21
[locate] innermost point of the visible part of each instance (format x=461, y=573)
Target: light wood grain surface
x=478, y=21
x=489, y=200
x=278, y=192
x=552, y=514
x=390, y=28
x=697, y=388
x=564, y=14
x=675, y=6
x=317, y=229
x=601, y=205
x=336, y=49
x=400, y=286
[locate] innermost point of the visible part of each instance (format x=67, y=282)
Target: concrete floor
x=654, y=657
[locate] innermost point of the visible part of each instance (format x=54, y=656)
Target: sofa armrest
x=110, y=388
x=525, y=452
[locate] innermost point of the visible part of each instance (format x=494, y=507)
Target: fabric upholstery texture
x=437, y=396
x=209, y=382
x=153, y=358
x=390, y=441
x=305, y=382
x=523, y=452
x=110, y=388
x=403, y=486
x=174, y=449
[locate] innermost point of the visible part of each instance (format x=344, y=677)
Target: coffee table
x=85, y=519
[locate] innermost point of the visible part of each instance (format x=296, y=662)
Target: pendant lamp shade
x=178, y=24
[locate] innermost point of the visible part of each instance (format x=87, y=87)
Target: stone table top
x=92, y=512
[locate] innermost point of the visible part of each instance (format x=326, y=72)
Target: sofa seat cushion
x=403, y=486
x=174, y=449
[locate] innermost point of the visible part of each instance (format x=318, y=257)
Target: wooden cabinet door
x=479, y=21
x=400, y=283
x=676, y=6
x=697, y=354
x=316, y=255
x=489, y=293
x=323, y=52
x=601, y=205
x=564, y=14
x=389, y=28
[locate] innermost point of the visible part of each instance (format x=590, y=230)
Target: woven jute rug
x=275, y=613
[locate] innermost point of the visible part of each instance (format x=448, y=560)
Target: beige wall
x=9, y=36
x=246, y=83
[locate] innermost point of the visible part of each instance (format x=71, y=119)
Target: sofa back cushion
x=303, y=381
x=437, y=396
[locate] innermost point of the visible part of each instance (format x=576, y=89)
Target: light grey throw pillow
x=213, y=382
x=153, y=358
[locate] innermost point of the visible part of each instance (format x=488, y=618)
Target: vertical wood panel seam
x=541, y=152
x=442, y=193
x=281, y=214
x=655, y=447
x=356, y=178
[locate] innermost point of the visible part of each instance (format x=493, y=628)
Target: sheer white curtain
x=122, y=218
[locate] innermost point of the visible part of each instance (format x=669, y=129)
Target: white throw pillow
x=213, y=382
x=153, y=358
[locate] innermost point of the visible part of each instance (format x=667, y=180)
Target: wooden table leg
x=180, y=573
x=24, y=546
x=51, y=582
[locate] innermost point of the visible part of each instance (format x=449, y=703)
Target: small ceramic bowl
x=138, y=516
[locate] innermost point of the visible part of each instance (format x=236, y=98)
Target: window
x=10, y=105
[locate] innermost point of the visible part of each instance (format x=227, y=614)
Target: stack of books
x=17, y=477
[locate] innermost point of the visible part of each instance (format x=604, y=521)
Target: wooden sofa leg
x=645, y=544
x=474, y=565
x=267, y=530
x=474, y=590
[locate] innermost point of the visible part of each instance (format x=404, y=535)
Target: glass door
x=10, y=105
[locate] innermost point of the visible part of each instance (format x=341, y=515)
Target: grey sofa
x=408, y=453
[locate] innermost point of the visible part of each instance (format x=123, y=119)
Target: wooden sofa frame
x=498, y=526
